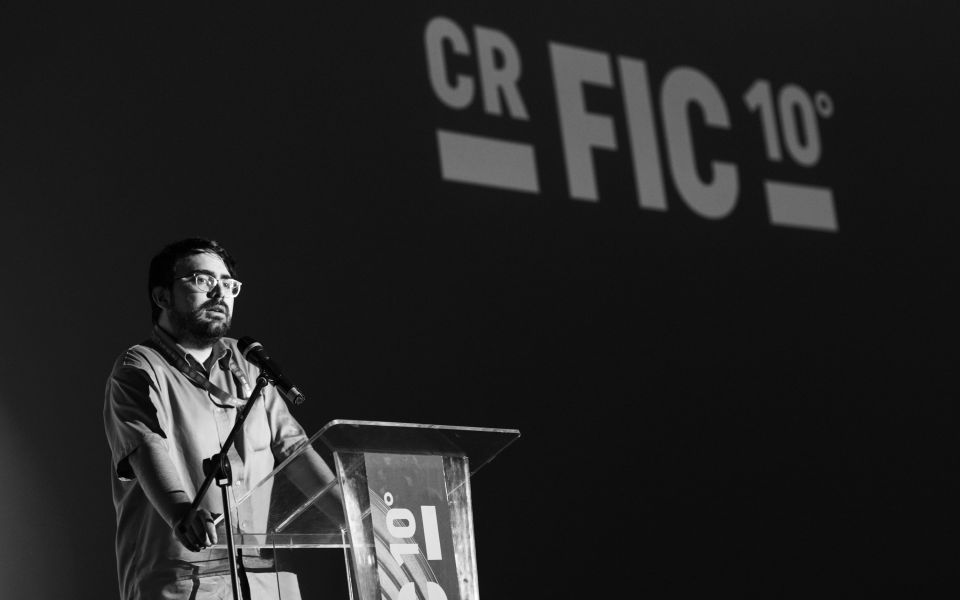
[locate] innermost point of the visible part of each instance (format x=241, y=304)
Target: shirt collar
x=221, y=351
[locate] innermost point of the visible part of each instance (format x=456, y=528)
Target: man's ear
x=161, y=297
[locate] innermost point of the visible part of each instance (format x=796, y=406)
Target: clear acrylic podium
x=399, y=509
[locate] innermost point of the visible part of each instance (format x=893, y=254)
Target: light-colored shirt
x=148, y=397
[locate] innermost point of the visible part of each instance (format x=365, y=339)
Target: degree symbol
x=824, y=104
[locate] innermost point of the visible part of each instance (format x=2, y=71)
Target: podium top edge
x=478, y=444
x=395, y=424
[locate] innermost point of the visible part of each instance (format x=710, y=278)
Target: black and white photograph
x=427, y=300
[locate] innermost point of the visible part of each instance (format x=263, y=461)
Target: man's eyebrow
x=210, y=273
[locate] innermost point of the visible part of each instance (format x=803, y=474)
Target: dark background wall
x=706, y=405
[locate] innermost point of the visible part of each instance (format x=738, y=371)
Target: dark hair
x=163, y=264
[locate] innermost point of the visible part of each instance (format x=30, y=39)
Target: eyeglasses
x=206, y=283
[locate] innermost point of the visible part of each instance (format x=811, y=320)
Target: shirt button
x=238, y=482
x=244, y=525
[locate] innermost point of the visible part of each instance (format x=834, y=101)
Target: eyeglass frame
x=222, y=283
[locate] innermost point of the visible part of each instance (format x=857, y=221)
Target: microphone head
x=246, y=344
x=295, y=396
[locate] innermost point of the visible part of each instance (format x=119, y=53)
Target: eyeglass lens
x=207, y=283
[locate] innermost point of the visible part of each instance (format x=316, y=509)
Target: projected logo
x=411, y=523
x=789, y=117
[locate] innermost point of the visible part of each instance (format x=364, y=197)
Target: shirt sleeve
x=132, y=411
x=286, y=432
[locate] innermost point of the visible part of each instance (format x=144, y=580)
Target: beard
x=200, y=329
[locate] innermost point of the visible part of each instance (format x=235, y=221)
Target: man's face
x=201, y=317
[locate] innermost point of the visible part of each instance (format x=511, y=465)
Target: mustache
x=215, y=304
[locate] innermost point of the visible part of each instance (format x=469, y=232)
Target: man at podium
x=170, y=403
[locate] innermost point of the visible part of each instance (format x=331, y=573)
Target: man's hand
x=195, y=528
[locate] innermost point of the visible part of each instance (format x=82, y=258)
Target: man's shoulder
x=144, y=356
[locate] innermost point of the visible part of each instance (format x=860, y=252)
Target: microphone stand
x=217, y=468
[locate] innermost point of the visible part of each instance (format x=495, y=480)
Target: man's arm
x=311, y=474
x=160, y=482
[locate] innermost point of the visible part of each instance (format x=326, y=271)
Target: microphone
x=252, y=350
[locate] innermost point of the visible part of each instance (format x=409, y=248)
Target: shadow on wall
x=34, y=562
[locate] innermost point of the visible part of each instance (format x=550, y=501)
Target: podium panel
x=410, y=525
